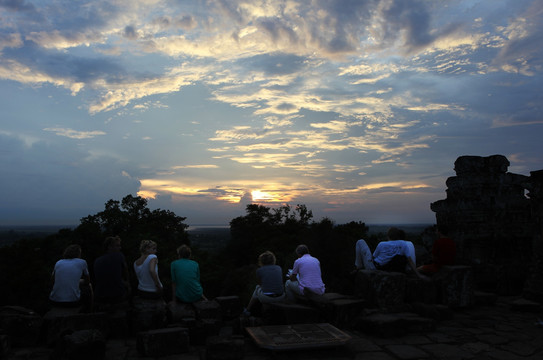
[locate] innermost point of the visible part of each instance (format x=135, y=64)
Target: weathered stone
x=390, y=325
x=407, y=352
x=225, y=348
x=207, y=309
x=5, y=346
x=495, y=164
x=21, y=325
x=287, y=313
x=533, y=288
x=381, y=355
x=328, y=297
x=148, y=314
x=495, y=225
x=162, y=342
x=519, y=348
x=382, y=289
x=305, y=337
x=476, y=347
x=419, y=290
x=58, y=326
x=455, y=286
x=484, y=298
x=343, y=312
x=433, y=311
x=176, y=311
x=230, y=306
x=446, y=351
x=358, y=345
x=492, y=339
x=251, y=321
x=525, y=305
x=118, y=323
x=83, y=344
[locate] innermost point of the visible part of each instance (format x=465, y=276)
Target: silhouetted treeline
x=26, y=266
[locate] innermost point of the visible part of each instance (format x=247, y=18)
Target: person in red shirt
x=443, y=252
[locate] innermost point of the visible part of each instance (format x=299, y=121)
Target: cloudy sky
x=357, y=109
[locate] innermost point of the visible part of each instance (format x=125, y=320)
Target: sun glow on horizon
x=260, y=196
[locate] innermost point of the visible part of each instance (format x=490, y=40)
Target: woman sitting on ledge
x=146, y=269
x=269, y=278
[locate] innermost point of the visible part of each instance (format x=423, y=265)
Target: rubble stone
x=455, y=286
x=381, y=289
x=84, y=344
x=22, y=325
x=497, y=227
x=163, y=342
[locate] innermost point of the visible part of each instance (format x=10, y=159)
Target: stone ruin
x=496, y=219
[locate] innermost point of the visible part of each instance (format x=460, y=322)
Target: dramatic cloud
x=357, y=109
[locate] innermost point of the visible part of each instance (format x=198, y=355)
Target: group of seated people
x=304, y=279
x=398, y=254
x=111, y=279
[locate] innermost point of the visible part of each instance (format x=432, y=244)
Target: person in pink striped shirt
x=305, y=277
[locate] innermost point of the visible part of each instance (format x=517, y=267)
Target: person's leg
x=363, y=256
x=254, y=299
x=292, y=290
x=359, y=248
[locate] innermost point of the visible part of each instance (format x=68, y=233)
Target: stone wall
x=495, y=221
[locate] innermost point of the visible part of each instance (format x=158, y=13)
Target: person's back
x=67, y=276
x=270, y=278
x=305, y=277
x=386, y=250
x=309, y=271
x=110, y=274
x=186, y=277
x=443, y=252
x=395, y=254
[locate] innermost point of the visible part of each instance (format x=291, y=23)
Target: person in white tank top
x=146, y=269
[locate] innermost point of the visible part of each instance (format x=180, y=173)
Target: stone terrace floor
x=483, y=332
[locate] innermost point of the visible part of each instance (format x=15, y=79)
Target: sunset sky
x=356, y=109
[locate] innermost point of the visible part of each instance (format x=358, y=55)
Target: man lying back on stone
x=395, y=254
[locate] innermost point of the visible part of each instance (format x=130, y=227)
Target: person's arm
x=414, y=268
x=174, y=280
x=258, y=278
x=295, y=271
x=124, y=275
x=153, y=272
